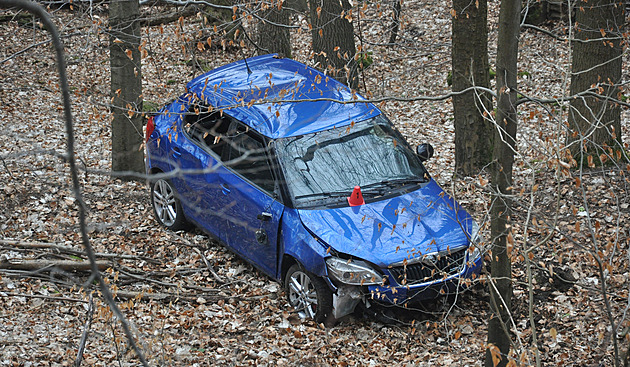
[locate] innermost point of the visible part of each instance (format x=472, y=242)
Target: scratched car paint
x=293, y=172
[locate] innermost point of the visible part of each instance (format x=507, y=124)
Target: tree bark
x=273, y=35
x=503, y=160
x=333, y=40
x=395, y=21
x=67, y=265
x=473, y=131
x=595, y=121
x=126, y=86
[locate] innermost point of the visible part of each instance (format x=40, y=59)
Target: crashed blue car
x=299, y=176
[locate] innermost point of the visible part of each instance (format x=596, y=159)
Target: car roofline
x=280, y=97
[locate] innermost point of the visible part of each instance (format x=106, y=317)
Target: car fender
x=301, y=245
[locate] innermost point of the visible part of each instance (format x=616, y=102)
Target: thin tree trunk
x=473, y=131
x=333, y=40
x=595, y=122
x=503, y=160
x=126, y=86
x=395, y=21
x=273, y=35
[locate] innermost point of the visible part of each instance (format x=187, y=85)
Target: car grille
x=422, y=272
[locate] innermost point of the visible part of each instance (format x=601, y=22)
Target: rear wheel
x=166, y=206
x=308, y=294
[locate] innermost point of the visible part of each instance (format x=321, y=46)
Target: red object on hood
x=356, y=198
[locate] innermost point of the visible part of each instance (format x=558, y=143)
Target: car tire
x=167, y=206
x=308, y=294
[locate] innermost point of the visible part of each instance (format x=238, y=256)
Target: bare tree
x=595, y=120
x=503, y=161
x=473, y=130
x=273, y=33
x=126, y=86
x=333, y=40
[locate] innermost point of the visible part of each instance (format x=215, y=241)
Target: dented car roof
x=280, y=97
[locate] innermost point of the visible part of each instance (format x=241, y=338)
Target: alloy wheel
x=302, y=294
x=164, y=202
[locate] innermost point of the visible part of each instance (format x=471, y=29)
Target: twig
x=4, y=163
x=126, y=272
x=86, y=330
x=210, y=269
x=203, y=257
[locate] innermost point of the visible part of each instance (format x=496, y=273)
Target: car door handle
x=176, y=152
x=225, y=188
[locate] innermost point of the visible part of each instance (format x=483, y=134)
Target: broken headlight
x=352, y=272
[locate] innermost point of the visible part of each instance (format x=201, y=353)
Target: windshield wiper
x=394, y=182
x=325, y=195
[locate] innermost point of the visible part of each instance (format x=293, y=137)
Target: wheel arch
x=287, y=262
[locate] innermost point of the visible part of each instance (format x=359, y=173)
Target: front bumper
x=346, y=298
x=403, y=294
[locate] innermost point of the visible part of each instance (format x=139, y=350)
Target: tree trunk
x=333, y=40
x=595, y=122
x=503, y=160
x=473, y=131
x=273, y=34
x=126, y=86
x=395, y=22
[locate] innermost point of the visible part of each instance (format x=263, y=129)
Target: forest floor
x=190, y=302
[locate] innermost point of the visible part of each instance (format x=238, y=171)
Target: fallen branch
x=203, y=257
x=67, y=265
x=182, y=296
x=73, y=251
x=41, y=296
x=210, y=268
x=86, y=330
x=146, y=21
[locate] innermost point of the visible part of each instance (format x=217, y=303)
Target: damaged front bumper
x=347, y=297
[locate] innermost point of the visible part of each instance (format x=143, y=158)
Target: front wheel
x=166, y=206
x=308, y=294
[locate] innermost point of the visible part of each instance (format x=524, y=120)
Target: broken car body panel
x=393, y=230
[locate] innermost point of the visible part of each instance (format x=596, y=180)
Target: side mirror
x=424, y=151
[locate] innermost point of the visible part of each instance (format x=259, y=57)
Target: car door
x=253, y=213
x=198, y=183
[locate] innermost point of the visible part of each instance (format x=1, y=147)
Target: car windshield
x=328, y=164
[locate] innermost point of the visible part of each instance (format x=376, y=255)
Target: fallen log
x=46, y=265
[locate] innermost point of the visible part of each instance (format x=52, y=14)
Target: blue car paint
x=300, y=244
x=159, y=143
x=393, y=230
x=273, y=79
x=383, y=232
x=200, y=192
x=244, y=203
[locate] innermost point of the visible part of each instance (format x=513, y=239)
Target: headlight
x=474, y=232
x=474, y=252
x=352, y=272
x=473, y=255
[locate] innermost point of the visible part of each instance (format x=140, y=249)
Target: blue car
x=298, y=175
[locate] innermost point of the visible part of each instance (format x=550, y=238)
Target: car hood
x=390, y=231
